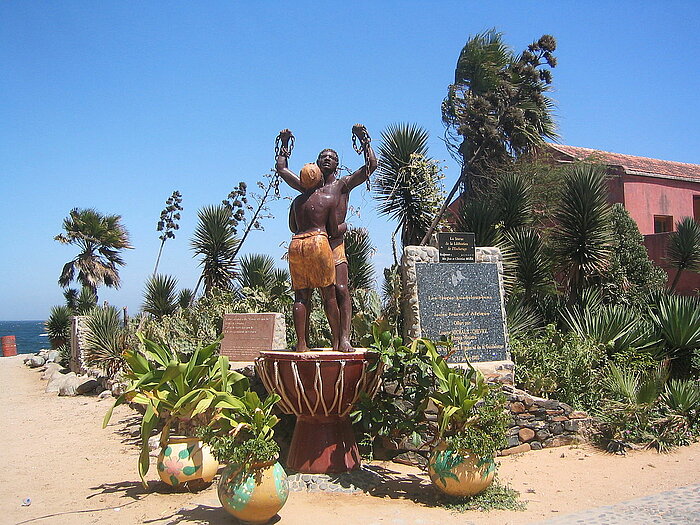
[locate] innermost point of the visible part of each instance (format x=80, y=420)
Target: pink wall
x=645, y=197
x=656, y=244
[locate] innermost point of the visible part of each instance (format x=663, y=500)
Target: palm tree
x=407, y=183
x=683, y=250
x=159, y=298
x=215, y=241
x=582, y=237
x=100, y=239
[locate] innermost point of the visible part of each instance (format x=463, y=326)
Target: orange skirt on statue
x=311, y=261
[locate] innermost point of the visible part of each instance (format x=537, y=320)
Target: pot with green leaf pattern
x=460, y=472
x=186, y=459
x=255, y=494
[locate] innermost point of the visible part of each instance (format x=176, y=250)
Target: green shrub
x=559, y=366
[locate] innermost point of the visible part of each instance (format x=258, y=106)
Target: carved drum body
x=320, y=388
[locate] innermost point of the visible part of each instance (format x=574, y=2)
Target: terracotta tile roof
x=632, y=164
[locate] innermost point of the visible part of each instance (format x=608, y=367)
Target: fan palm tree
x=159, y=298
x=215, y=241
x=407, y=183
x=100, y=239
x=683, y=250
x=582, y=237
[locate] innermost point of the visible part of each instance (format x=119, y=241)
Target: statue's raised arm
x=283, y=149
x=360, y=134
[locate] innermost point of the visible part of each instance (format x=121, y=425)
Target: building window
x=696, y=207
x=663, y=223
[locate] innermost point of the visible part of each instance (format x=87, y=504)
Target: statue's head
x=310, y=176
x=328, y=161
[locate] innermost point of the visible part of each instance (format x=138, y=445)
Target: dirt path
x=56, y=453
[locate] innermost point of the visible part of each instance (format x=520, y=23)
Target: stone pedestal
x=320, y=388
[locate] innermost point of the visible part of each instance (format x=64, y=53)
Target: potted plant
x=178, y=391
x=253, y=486
x=472, y=426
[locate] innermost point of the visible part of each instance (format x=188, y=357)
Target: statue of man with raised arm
x=339, y=188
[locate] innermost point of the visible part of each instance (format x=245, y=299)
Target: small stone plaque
x=456, y=247
x=463, y=300
x=245, y=335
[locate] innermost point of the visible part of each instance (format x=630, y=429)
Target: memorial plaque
x=455, y=247
x=246, y=334
x=463, y=300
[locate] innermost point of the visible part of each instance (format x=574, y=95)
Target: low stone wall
x=542, y=423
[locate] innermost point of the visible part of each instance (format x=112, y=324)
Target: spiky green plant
x=582, y=236
x=676, y=321
x=481, y=218
x=215, y=242
x=407, y=183
x=86, y=301
x=58, y=326
x=106, y=339
x=159, y=297
x=683, y=251
x=514, y=201
x=359, y=251
x=533, y=269
x=185, y=298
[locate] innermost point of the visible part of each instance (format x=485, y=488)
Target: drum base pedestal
x=323, y=445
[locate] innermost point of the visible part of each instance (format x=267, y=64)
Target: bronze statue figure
x=307, y=214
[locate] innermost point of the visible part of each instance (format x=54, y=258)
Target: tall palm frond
x=100, y=239
x=582, y=236
x=159, y=297
x=359, y=252
x=407, y=184
x=215, y=242
x=683, y=251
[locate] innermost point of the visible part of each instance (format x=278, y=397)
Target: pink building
x=656, y=193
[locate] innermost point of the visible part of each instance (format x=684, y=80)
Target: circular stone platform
x=359, y=480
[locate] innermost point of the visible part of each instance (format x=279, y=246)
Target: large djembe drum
x=320, y=388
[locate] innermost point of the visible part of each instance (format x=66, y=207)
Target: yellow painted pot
x=254, y=496
x=460, y=473
x=186, y=459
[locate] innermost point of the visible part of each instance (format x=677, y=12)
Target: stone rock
x=557, y=428
x=36, y=361
x=557, y=412
x=571, y=426
x=578, y=414
x=55, y=381
x=69, y=385
x=543, y=434
x=86, y=386
x=526, y=434
x=517, y=407
x=536, y=445
x=105, y=394
x=560, y=441
x=118, y=389
x=557, y=419
x=51, y=370
x=513, y=441
x=525, y=447
x=51, y=356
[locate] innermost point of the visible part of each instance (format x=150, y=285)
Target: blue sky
x=114, y=105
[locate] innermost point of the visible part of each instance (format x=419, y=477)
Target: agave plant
x=676, y=320
x=683, y=398
x=85, y=301
x=159, y=298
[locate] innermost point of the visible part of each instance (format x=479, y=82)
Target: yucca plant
x=359, y=251
x=85, y=301
x=532, y=267
x=582, y=236
x=216, y=243
x=676, y=320
x=683, y=398
x=58, y=326
x=482, y=218
x=177, y=390
x=683, y=251
x=159, y=298
x=105, y=340
x=514, y=201
x=185, y=298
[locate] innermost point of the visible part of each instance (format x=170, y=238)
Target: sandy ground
x=56, y=453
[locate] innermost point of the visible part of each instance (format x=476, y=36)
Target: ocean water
x=29, y=335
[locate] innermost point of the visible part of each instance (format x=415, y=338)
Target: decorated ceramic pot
x=254, y=496
x=186, y=459
x=460, y=473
